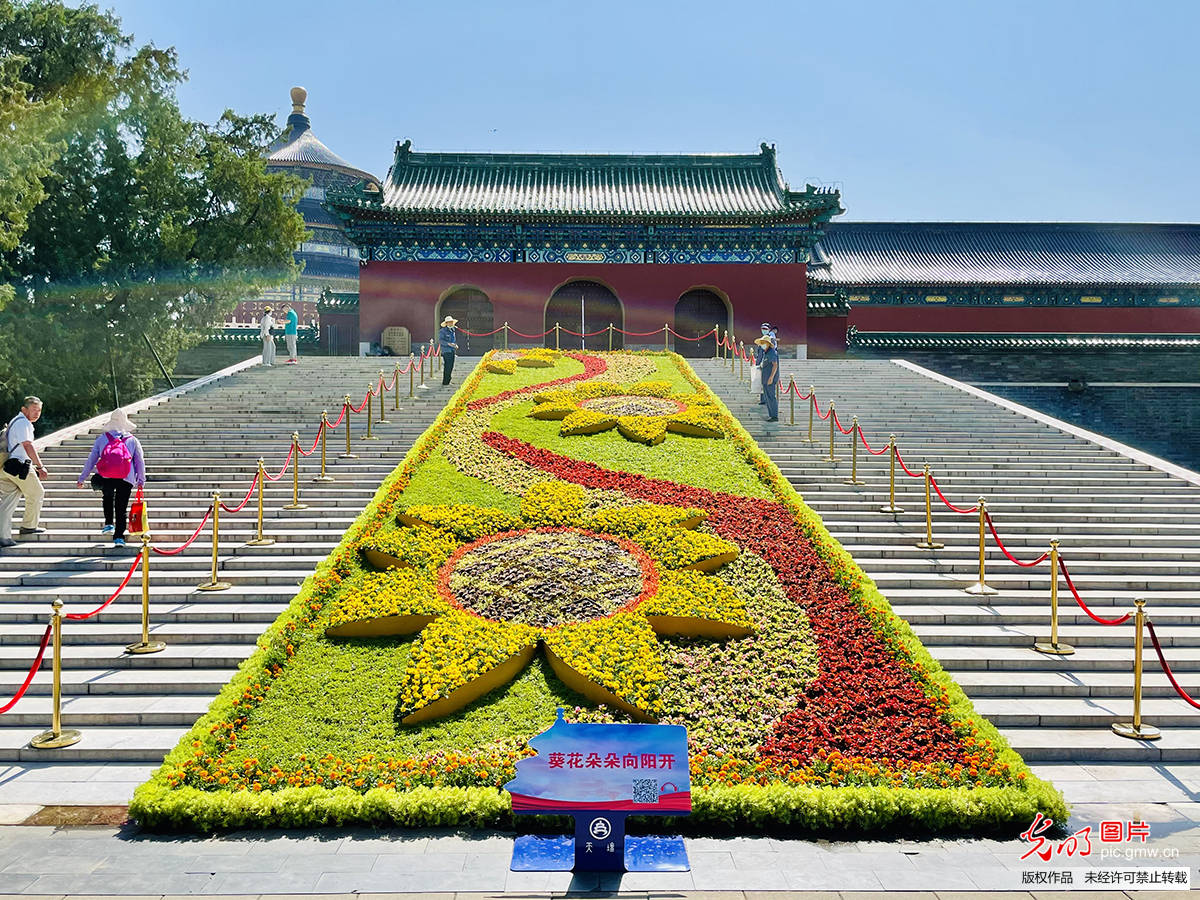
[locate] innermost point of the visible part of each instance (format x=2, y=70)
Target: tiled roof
x=900, y=340
x=861, y=253
x=299, y=147
x=735, y=187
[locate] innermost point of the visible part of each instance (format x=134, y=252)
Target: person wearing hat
x=770, y=377
x=448, y=338
x=758, y=358
x=265, y=324
x=119, y=466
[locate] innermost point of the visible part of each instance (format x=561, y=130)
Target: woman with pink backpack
x=117, y=460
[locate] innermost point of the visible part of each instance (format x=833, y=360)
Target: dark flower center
x=631, y=405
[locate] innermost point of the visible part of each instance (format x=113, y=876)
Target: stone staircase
x=132, y=709
x=1127, y=530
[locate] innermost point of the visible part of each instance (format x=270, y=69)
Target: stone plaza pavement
x=44, y=860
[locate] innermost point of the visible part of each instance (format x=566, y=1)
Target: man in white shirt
x=265, y=324
x=22, y=474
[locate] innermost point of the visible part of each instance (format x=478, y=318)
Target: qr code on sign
x=645, y=790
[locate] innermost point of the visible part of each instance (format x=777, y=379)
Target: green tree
x=149, y=225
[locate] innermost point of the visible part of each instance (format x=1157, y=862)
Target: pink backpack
x=115, y=460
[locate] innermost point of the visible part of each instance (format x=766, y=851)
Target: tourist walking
x=447, y=339
x=758, y=358
x=291, y=326
x=119, y=467
x=22, y=473
x=265, y=324
x=770, y=364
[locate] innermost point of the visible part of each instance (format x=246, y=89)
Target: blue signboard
x=600, y=774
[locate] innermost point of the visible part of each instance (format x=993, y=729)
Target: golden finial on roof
x=299, y=96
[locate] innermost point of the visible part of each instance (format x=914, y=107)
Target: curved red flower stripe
x=592, y=366
x=864, y=702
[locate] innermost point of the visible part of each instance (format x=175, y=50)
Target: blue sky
x=1028, y=111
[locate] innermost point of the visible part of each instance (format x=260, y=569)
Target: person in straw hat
x=448, y=339
x=119, y=466
x=770, y=377
x=265, y=324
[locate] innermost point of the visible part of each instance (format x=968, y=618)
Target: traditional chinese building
x=956, y=286
x=330, y=260
x=532, y=240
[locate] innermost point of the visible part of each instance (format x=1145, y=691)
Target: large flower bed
x=683, y=582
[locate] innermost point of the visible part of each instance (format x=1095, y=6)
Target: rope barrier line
x=957, y=509
x=999, y=543
x=339, y=418
x=879, y=452
x=1162, y=661
x=821, y=415
x=583, y=334
x=485, y=333
x=1062, y=565
x=532, y=336
x=907, y=470
x=287, y=462
x=360, y=407
x=78, y=617
x=37, y=664
x=195, y=534
x=655, y=332
x=703, y=337
x=317, y=440
x=246, y=499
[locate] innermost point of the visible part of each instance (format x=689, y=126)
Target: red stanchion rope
x=583, y=334
x=999, y=543
x=115, y=594
x=190, y=540
x=37, y=664
x=246, y=499
x=1062, y=565
x=287, y=462
x=822, y=415
x=1162, y=661
x=839, y=424
x=361, y=406
x=900, y=459
x=638, y=333
x=313, y=449
x=531, y=336
x=339, y=418
x=879, y=452
x=702, y=337
x=957, y=509
x=481, y=333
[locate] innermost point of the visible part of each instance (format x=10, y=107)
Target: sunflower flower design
x=642, y=412
x=484, y=590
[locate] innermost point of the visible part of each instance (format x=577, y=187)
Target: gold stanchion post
x=506, y=337
x=610, y=336
x=349, y=454
x=981, y=587
x=1137, y=729
x=854, y=433
x=371, y=393
x=831, y=458
x=891, y=507
x=145, y=645
x=812, y=405
x=792, y=400
x=422, y=385
x=666, y=337
x=56, y=738
x=412, y=374
x=1053, y=646
x=395, y=388
x=382, y=401
x=717, y=341
x=258, y=540
x=732, y=353
x=556, y=327
x=929, y=543
x=295, y=504
x=324, y=431
x=213, y=584
x=742, y=363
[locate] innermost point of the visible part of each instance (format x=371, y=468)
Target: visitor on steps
x=119, y=466
x=770, y=365
x=758, y=358
x=22, y=473
x=291, y=325
x=447, y=338
x=265, y=324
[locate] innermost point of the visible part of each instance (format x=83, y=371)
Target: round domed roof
x=299, y=148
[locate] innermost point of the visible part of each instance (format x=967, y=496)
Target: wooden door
x=473, y=310
x=695, y=314
x=584, y=306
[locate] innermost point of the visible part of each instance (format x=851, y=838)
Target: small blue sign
x=600, y=774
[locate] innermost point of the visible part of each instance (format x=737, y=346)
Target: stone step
x=1097, y=714
x=146, y=743
x=107, y=680
x=85, y=597
x=130, y=610
x=972, y=614
x=130, y=711
x=113, y=656
x=1099, y=744
x=1023, y=636
x=1025, y=659
x=1086, y=685
x=88, y=633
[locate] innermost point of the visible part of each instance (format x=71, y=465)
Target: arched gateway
x=473, y=310
x=583, y=306
x=696, y=312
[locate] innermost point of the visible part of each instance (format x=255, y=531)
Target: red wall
x=406, y=293
x=1058, y=320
